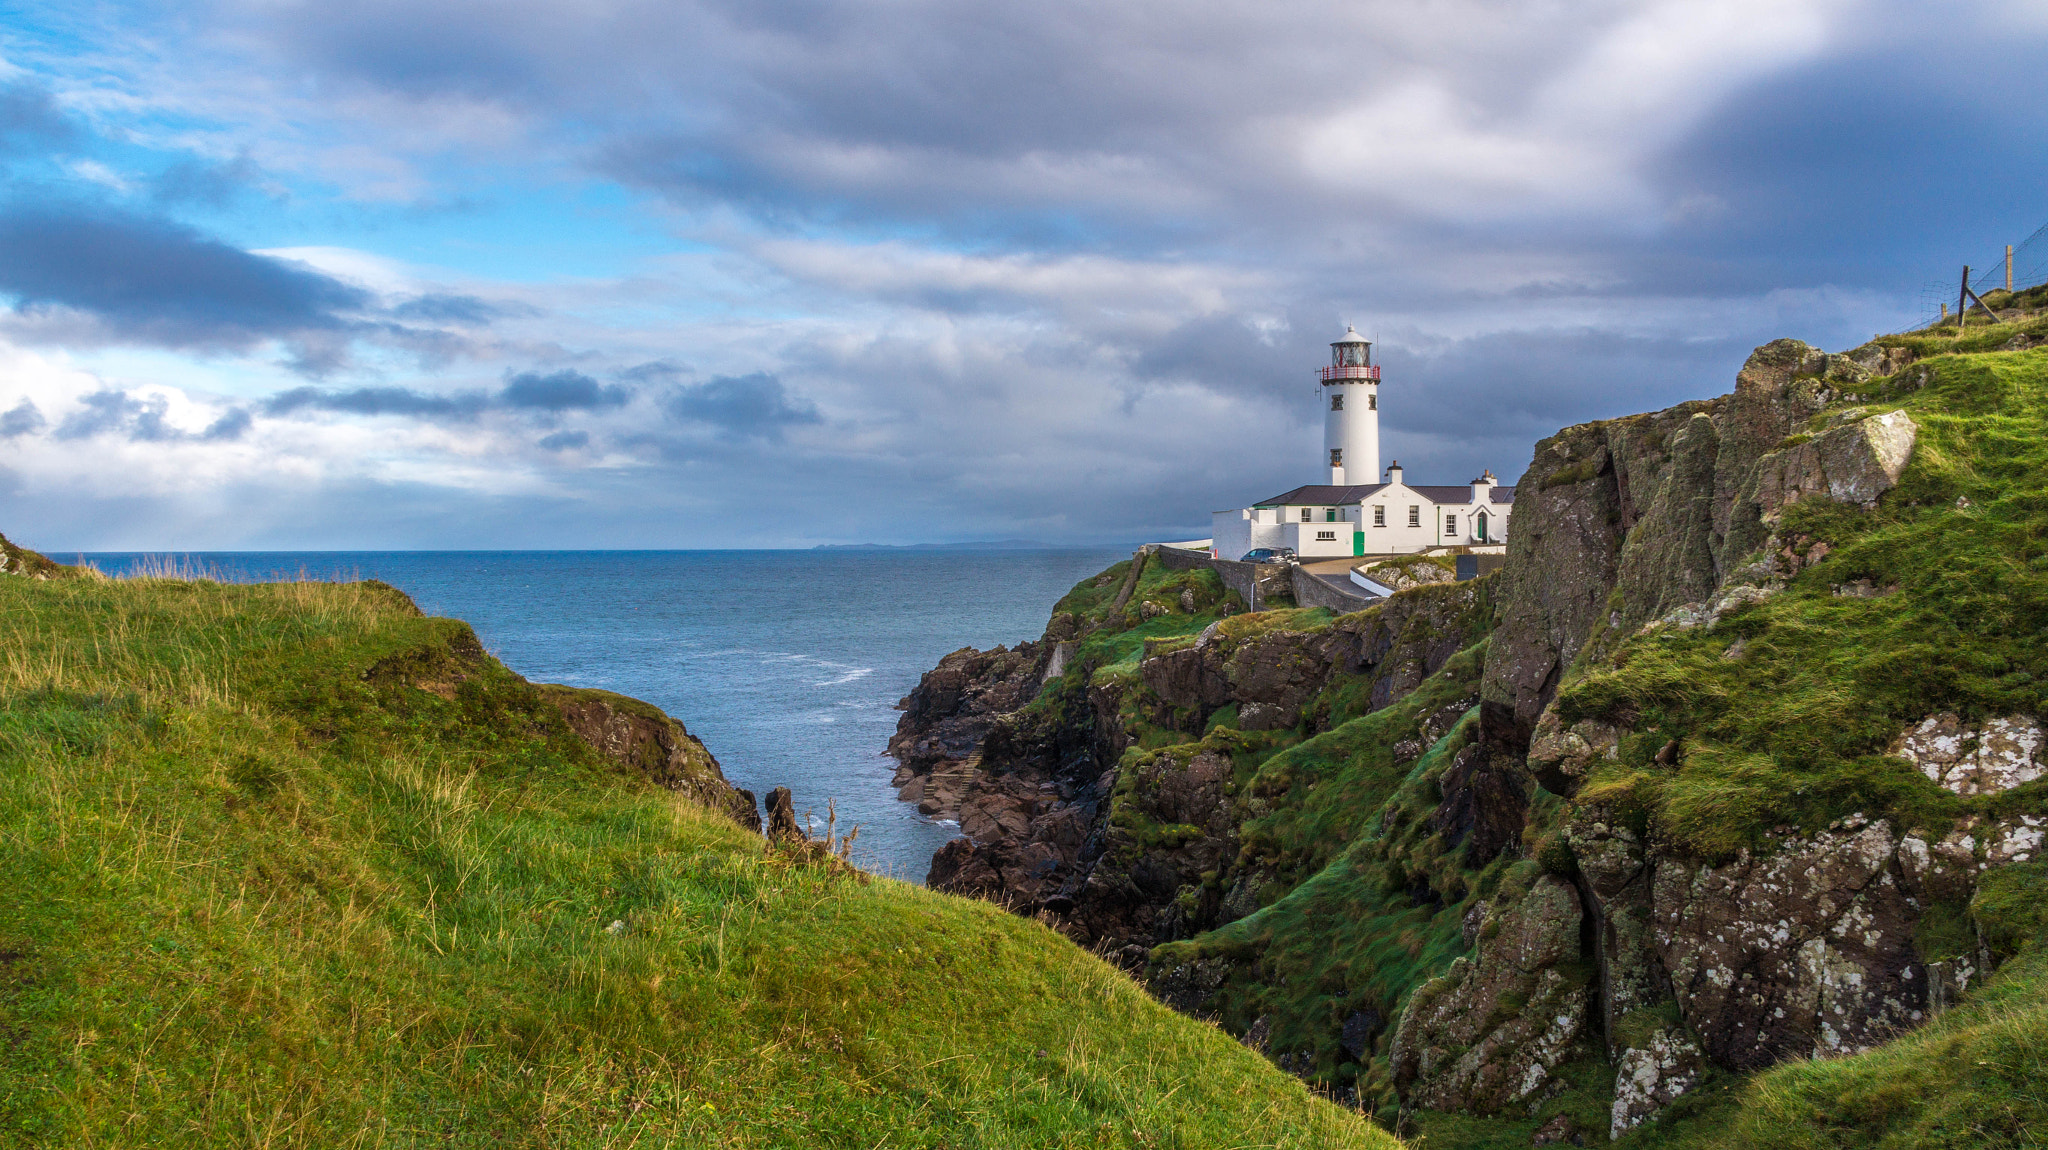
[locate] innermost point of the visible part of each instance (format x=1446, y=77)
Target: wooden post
x=2008, y=269
x=1963, y=300
x=1944, y=313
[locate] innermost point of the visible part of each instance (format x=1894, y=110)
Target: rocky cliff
x=1712, y=775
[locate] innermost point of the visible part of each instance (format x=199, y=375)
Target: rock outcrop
x=641, y=738
x=1486, y=1035
x=1119, y=849
x=16, y=560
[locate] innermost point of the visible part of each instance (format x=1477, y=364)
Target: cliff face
x=1708, y=777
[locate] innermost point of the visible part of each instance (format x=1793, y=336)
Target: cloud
x=466, y=405
x=565, y=440
x=753, y=406
x=139, y=419
x=461, y=310
x=560, y=391
x=153, y=280
x=21, y=419
x=203, y=182
x=30, y=121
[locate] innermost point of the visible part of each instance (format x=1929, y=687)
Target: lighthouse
x=1351, y=412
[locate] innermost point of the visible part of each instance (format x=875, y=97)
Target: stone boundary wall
x=1312, y=591
x=1273, y=579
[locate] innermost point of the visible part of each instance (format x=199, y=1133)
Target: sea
x=788, y=664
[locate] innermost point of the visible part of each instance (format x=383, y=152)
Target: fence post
x=2008, y=269
x=1963, y=301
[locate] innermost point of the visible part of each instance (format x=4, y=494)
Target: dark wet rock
x=782, y=820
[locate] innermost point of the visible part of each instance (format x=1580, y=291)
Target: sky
x=278, y=274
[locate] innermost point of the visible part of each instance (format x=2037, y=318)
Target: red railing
x=1351, y=371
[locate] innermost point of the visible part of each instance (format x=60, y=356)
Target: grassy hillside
x=293, y=865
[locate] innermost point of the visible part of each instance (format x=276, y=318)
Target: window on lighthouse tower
x=1336, y=457
x=1372, y=402
x=1337, y=402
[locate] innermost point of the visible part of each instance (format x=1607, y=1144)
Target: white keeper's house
x=1348, y=517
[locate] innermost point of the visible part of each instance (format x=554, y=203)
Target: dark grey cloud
x=205, y=182
x=546, y=394
x=22, y=419
x=461, y=406
x=754, y=406
x=233, y=425
x=31, y=121
x=560, y=391
x=565, y=440
x=463, y=310
x=154, y=280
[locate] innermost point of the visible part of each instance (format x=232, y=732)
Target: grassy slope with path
x=293, y=865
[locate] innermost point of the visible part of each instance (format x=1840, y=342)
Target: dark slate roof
x=1324, y=495
x=1321, y=495
x=1462, y=493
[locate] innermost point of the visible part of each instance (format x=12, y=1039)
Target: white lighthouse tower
x=1351, y=412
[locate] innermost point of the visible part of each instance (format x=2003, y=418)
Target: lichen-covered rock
x=1649, y=1077
x=1804, y=951
x=1998, y=756
x=1852, y=464
x=1560, y=757
x=1486, y=1035
x=1402, y=576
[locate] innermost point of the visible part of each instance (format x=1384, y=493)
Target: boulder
x=1649, y=1077
x=1853, y=464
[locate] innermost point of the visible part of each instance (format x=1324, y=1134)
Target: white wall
x=1235, y=532
x=1355, y=430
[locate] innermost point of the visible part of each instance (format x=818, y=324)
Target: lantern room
x=1351, y=358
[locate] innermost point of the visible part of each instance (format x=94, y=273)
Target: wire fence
x=2016, y=268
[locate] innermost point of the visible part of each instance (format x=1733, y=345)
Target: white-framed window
x=1308, y=515
x=1379, y=515
x=1372, y=401
x=1337, y=401
x=1326, y=536
x=1450, y=525
x=1336, y=457
x=1415, y=515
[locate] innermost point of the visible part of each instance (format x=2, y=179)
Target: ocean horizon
x=787, y=663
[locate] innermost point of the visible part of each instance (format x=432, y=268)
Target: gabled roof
x=1325, y=495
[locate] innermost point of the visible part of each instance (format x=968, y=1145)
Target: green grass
x=291, y=865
